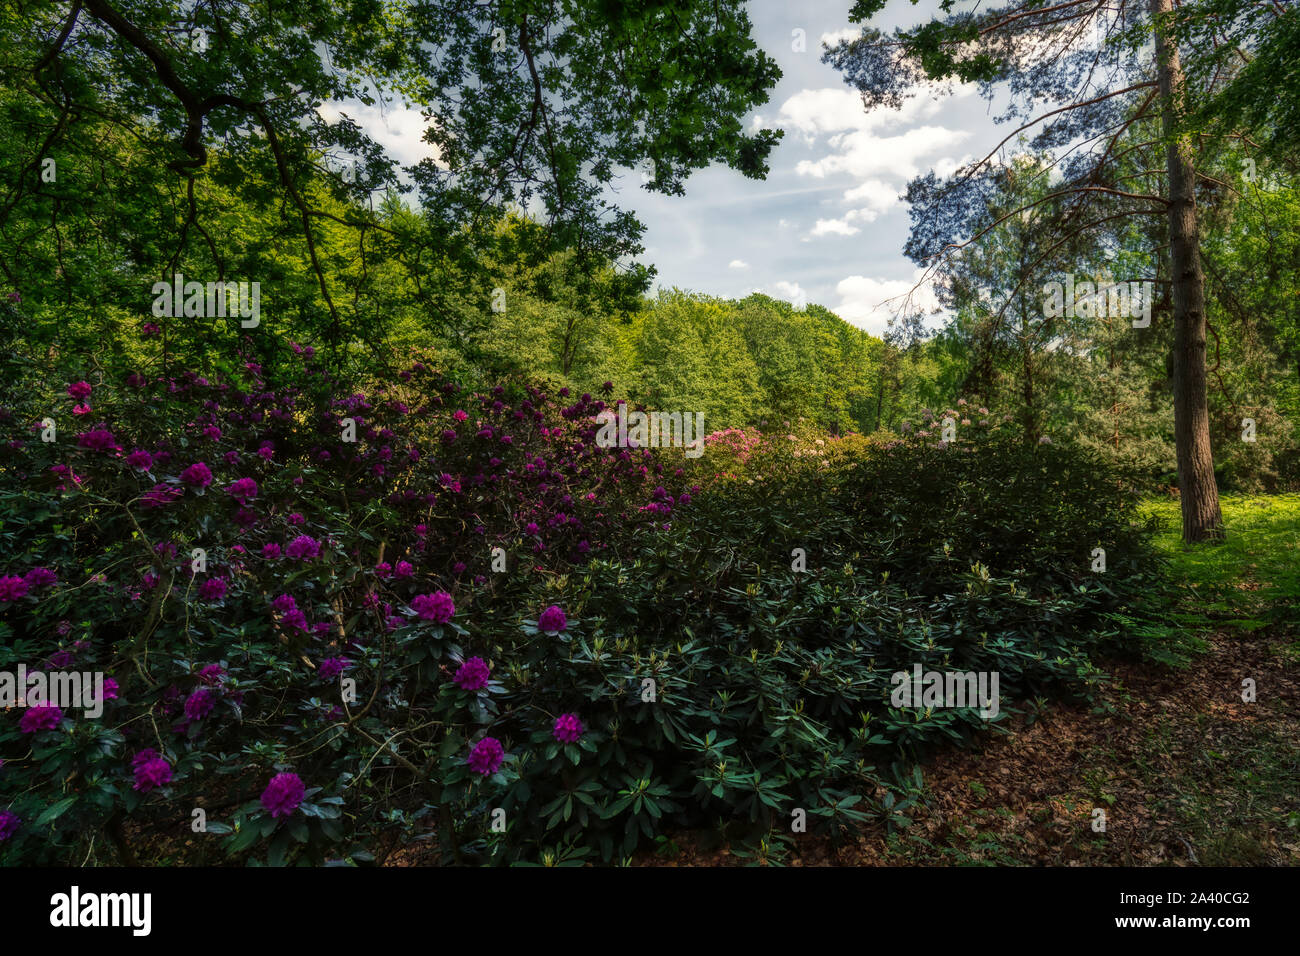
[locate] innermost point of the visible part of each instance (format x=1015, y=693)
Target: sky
x=828, y=224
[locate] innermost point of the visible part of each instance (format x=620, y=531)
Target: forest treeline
x=519, y=263
x=756, y=362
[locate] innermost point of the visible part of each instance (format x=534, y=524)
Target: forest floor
x=1187, y=772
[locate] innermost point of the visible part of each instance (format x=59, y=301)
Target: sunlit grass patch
x=1252, y=577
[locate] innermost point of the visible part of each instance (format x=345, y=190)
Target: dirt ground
x=1186, y=771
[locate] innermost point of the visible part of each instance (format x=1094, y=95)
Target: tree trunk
x=880, y=392
x=1202, y=518
x=1027, y=385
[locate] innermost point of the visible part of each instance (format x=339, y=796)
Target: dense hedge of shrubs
x=348, y=665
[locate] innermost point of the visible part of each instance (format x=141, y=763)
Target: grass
x=1249, y=580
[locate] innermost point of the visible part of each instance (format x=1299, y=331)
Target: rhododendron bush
x=423, y=613
x=277, y=582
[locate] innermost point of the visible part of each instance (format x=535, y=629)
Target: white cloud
x=792, y=293
x=870, y=303
x=737, y=264
x=947, y=165
x=826, y=110
x=864, y=155
x=877, y=195
x=834, y=227
x=841, y=226
x=848, y=33
x=397, y=129
x=832, y=110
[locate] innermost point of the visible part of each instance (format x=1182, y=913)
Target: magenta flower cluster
x=568, y=728
x=437, y=607
x=200, y=703
x=197, y=475
x=487, y=756
x=283, y=794
x=40, y=717
x=213, y=589
x=151, y=771
x=303, y=548
x=473, y=674
x=552, y=620
x=244, y=490
x=12, y=588
x=332, y=667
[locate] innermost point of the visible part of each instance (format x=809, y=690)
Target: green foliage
x=773, y=684
x=771, y=680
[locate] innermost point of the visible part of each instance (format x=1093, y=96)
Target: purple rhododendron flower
x=97, y=439
x=283, y=794
x=197, y=475
x=60, y=660
x=110, y=689
x=487, y=756
x=437, y=607
x=271, y=550
x=295, y=619
x=80, y=390
x=39, y=578
x=404, y=569
x=552, y=620
x=214, y=589
x=12, y=588
x=303, y=548
x=211, y=674
x=284, y=603
x=199, y=704
x=473, y=674
x=152, y=773
x=9, y=824
x=40, y=717
x=140, y=459
x=242, y=490
x=332, y=667
x=568, y=728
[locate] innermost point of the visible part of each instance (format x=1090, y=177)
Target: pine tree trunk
x=1027, y=386
x=1202, y=518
